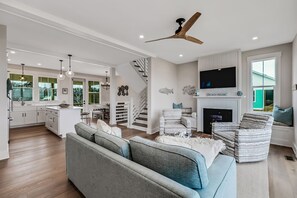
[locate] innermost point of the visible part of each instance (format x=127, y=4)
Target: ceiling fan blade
x=192, y=39
x=170, y=37
x=189, y=23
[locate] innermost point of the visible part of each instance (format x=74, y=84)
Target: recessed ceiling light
x=8, y=59
x=141, y=36
x=39, y=64
x=181, y=55
x=13, y=52
x=255, y=38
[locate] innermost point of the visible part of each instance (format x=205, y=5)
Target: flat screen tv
x=218, y=78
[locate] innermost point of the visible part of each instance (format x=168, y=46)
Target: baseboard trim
x=281, y=142
x=4, y=155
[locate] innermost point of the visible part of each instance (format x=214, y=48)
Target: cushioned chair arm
x=252, y=135
x=186, y=121
x=224, y=126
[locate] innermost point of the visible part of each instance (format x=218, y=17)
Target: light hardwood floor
x=36, y=167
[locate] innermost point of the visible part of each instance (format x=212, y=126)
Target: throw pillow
x=102, y=126
x=85, y=131
x=283, y=115
x=180, y=164
x=177, y=106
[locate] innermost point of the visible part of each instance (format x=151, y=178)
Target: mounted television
x=218, y=78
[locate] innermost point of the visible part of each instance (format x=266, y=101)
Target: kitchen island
x=62, y=120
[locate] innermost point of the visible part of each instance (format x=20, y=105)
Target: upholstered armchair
x=172, y=123
x=248, y=141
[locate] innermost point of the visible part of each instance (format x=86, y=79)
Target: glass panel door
x=78, y=93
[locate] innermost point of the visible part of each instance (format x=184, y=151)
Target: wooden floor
x=36, y=167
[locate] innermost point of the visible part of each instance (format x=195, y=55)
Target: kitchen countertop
x=69, y=108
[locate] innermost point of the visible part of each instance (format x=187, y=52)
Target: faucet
x=21, y=100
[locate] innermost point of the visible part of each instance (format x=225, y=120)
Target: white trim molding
x=277, y=98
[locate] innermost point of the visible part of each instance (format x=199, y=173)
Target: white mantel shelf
x=216, y=97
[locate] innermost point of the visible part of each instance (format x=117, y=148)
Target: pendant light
x=23, y=77
x=61, y=76
x=69, y=73
x=106, y=85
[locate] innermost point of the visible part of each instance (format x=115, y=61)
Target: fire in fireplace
x=215, y=115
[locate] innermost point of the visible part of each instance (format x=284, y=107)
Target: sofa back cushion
x=113, y=143
x=85, y=131
x=255, y=121
x=180, y=164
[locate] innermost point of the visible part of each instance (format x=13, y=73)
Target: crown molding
x=21, y=10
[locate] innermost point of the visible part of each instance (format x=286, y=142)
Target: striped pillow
x=254, y=121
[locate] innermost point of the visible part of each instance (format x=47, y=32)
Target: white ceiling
x=107, y=32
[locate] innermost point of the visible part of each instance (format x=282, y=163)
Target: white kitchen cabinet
x=62, y=120
x=18, y=118
x=40, y=113
x=23, y=118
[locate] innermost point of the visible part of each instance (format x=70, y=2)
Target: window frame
x=32, y=88
x=88, y=81
x=38, y=88
x=263, y=57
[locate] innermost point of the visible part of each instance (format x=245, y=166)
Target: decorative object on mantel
x=64, y=90
x=70, y=73
x=197, y=92
x=123, y=90
x=239, y=93
x=190, y=90
x=106, y=85
x=166, y=91
x=216, y=94
x=61, y=76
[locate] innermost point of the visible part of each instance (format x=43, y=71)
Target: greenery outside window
x=22, y=89
x=47, y=88
x=94, y=92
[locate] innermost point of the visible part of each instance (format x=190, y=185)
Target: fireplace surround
x=215, y=115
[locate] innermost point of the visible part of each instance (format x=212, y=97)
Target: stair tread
x=142, y=113
x=139, y=118
x=140, y=124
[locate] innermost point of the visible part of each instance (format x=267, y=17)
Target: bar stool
x=85, y=116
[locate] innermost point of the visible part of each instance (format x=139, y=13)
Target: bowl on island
x=64, y=105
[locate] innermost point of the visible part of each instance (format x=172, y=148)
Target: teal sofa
x=101, y=165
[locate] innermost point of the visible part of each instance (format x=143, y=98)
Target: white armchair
x=172, y=123
x=248, y=141
x=102, y=126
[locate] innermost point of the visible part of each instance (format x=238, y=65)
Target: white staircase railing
x=137, y=105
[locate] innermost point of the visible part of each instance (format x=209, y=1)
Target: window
x=94, y=92
x=47, y=88
x=263, y=84
x=22, y=89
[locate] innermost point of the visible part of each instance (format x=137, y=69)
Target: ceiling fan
x=180, y=33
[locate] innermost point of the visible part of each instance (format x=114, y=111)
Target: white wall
x=187, y=75
x=285, y=70
x=294, y=93
x=162, y=74
x=132, y=94
x=4, y=153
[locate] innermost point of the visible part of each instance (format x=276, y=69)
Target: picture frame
x=64, y=90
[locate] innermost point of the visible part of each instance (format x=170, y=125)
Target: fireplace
x=215, y=115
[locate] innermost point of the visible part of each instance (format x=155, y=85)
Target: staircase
x=140, y=122
x=122, y=109
x=141, y=67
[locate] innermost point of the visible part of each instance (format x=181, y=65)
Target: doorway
x=78, y=89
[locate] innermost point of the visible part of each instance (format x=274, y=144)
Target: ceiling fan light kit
x=70, y=73
x=180, y=33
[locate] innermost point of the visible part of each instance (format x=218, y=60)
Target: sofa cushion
x=85, y=131
x=180, y=164
x=177, y=106
x=283, y=115
x=113, y=143
x=172, y=114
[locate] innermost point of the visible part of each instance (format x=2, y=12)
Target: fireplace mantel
x=218, y=102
